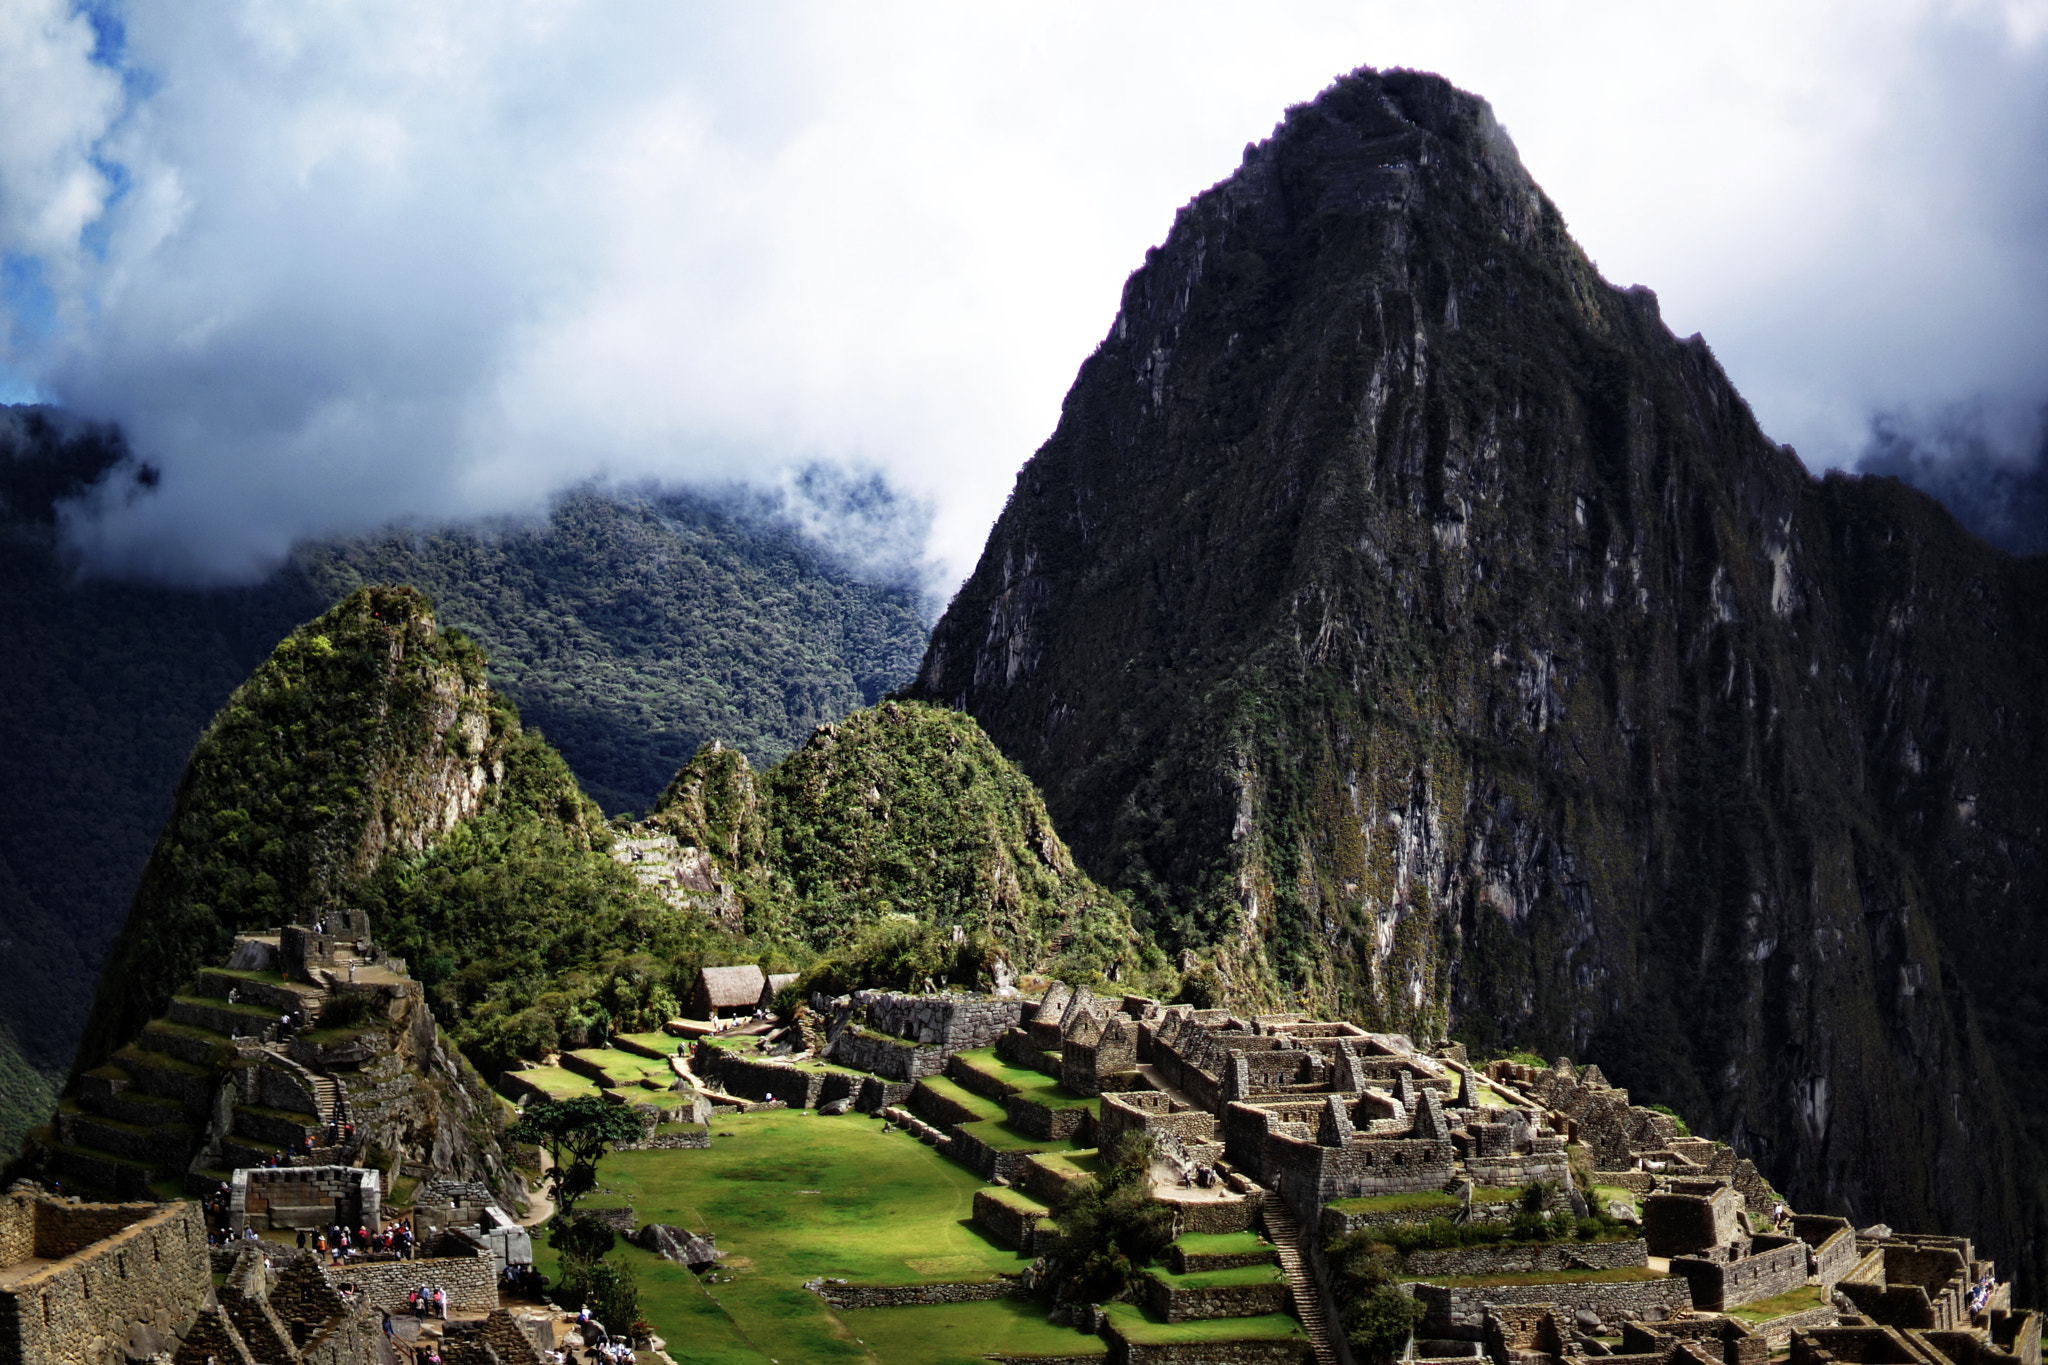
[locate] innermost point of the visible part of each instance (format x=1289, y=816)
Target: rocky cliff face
x=1411, y=621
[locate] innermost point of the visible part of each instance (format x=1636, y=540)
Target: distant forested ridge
x=630, y=628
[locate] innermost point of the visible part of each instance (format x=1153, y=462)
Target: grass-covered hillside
x=630, y=629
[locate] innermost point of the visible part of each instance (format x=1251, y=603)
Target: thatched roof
x=731, y=988
x=776, y=981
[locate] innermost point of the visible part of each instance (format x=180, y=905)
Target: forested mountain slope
x=632, y=629
x=1403, y=615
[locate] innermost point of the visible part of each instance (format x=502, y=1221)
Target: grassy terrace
x=984, y=1061
x=1072, y=1165
x=957, y=1334
x=1016, y=1199
x=1606, y=1193
x=1001, y=1137
x=1425, y=1204
x=1221, y=1243
x=951, y=1090
x=625, y=1068
x=558, y=1083
x=1805, y=1297
x=793, y=1196
x=1138, y=1325
x=1218, y=1279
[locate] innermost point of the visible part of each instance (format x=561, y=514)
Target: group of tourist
x=1980, y=1293
x=523, y=1281
x=427, y=1299
x=1203, y=1175
x=338, y=1245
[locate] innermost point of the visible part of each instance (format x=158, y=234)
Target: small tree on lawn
x=1110, y=1226
x=577, y=1134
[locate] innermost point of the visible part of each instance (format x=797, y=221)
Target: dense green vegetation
x=1110, y=1227
x=634, y=627
x=26, y=1096
x=340, y=741
x=903, y=842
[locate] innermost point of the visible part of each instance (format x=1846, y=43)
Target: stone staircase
x=1285, y=1234
x=142, y=1126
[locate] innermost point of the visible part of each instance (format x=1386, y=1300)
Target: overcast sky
x=335, y=263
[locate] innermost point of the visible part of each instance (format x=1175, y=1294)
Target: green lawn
x=793, y=1196
x=625, y=1068
x=1139, y=1325
x=1015, y=1199
x=1218, y=1279
x=1422, y=1201
x=965, y=1333
x=1222, y=1243
x=975, y=1104
x=559, y=1084
x=1071, y=1165
x=1001, y=1137
x=985, y=1061
x=1798, y=1300
x=1496, y=1194
x=1604, y=1193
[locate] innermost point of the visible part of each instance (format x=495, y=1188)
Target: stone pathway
x=1308, y=1303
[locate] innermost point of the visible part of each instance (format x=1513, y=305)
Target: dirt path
x=539, y=1208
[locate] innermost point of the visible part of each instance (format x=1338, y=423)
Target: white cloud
x=432, y=258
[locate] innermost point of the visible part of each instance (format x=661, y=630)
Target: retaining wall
x=902, y=1296
x=891, y=1058
x=1177, y=1304
x=1462, y=1311
x=471, y=1281
x=1529, y=1258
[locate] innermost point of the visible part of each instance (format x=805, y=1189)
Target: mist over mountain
x=1998, y=493
x=630, y=626
x=1411, y=623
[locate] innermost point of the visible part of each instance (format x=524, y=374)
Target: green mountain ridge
x=367, y=766
x=1414, y=626
x=631, y=626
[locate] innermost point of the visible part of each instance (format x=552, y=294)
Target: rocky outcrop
x=1402, y=615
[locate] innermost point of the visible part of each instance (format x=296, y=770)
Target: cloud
x=331, y=264
x=1964, y=457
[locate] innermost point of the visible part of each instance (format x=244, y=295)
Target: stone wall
x=1281, y=1351
x=1214, y=1215
x=471, y=1281
x=1185, y=1262
x=892, y=1058
x=753, y=1079
x=955, y=1022
x=1153, y=1112
x=1051, y=1122
x=305, y=1197
x=1832, y=1242
x=129, y=1293
x=1010, y=1218
x=1462, y=1311
x=671, y=1136
x=1182, y=1304
x=906, y=1295
x=1528, y=1259
x=1768, y=1271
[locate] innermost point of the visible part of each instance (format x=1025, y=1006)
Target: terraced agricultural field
x=792, y=1196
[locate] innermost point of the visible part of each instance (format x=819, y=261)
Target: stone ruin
x=294, y=1198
